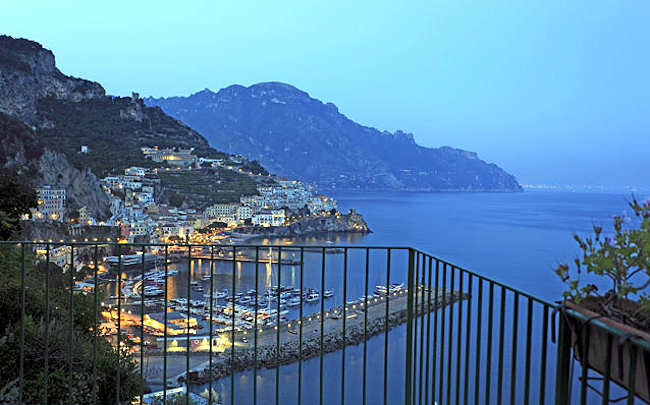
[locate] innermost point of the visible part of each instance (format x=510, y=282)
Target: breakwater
x=266, y=353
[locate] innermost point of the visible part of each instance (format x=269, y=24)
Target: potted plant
x=620, y=261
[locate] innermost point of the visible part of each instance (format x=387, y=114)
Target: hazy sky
x=552, y=91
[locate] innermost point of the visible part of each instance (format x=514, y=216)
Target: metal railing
x=277, y=324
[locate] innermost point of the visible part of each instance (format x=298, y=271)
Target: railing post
x=562, y=380
x=409, y=327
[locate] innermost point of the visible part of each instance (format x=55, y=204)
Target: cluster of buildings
x=177, y=157
x=271, y=207
x=135, y=210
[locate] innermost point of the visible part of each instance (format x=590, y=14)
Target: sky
x=555, y=92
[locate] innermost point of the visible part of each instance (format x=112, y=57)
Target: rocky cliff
x=63, y=113
x=352, y=222
x=296, y=135
x=23, y=151
x=28, y=73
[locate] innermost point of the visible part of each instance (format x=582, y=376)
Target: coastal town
x=137, y=213
x=143, y=305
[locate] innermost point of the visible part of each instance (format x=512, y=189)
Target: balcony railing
x=278, y=324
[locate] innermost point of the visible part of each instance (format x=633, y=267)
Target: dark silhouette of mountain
x=295, y=135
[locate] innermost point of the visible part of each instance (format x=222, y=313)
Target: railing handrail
x=487, y=279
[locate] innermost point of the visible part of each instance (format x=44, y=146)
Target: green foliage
x=255, y=167
x=203, y=187
x=623, y=259
x=213, y=227
x=16, y=198
x=17, y=139
x=59, y=334
x=113, y=136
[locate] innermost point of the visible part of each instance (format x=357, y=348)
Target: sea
x=514, y=238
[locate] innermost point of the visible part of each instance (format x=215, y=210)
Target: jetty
x=267, y=354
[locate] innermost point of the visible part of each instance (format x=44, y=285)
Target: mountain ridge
x=297, y=135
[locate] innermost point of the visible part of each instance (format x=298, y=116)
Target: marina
x=259, y=347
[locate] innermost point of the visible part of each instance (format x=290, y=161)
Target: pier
x=290, y=351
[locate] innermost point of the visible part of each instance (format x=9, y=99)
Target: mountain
x=28, y=74
x=46, y=116
x=296, y=135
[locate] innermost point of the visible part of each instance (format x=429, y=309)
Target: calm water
x=514, y=238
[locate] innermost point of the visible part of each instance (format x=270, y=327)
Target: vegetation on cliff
x=14, y=201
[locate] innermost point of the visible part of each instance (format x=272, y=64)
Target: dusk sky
x=552, y=91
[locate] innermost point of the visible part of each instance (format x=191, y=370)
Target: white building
x=220, y=210
x=264, y=219
x=277, y=217
x=135, y=171
x=244, y=212
x=51, y=204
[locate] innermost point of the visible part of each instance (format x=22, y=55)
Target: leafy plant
x=623, y=259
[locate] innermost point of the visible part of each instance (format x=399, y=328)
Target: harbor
x=258, y=347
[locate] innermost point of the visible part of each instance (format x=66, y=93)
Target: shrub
x=622, y=259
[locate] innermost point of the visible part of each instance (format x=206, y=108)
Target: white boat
x=294, y=302
x=328, y=294
x=129, y=262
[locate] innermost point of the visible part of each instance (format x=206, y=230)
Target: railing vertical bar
x=488, y=350
x=479, y=315
x=232, y=327
x=119, y=322
x=502, y=316
x=459, y=335
x=187, y=324
x=513, y=364
x=563, y=362
x=409, y=325
x=542, y=371
x=365, y=328
x=442, y=333
x=451, y=335
x=631, y=374
x=95, y=321
x=585, y=363
x=468, y=332
x=211, y=320
x=277, y=335
x=388, y=251
x=529, y=331
x=165, y=327
x=71, y=323
x=322, y=321
x=46, y=339
x=428, y=355
x=414, y=314
x=434, y=375
x=608, y=370
x=345, y=314
x=257, y=293
x=422, y=308
x=21, y=366
x=142, y=329
x=302, y=261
